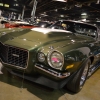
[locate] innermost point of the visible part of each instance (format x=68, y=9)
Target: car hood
x=37, y=37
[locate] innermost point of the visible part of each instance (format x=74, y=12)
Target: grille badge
x=15, y=55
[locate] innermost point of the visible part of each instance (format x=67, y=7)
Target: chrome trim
x=14, y=65
x=52, y=72
x=48, y=59
x=15, y=55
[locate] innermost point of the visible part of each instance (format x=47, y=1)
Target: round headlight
x=56, y=59
x=41, y=57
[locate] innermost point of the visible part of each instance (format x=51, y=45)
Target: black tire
x=76, y=83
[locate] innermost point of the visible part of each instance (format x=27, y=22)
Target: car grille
x=13, y=55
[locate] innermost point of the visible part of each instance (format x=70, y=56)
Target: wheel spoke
x=83, y=77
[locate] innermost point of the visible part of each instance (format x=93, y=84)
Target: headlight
x=41, y=57
x=55, y=59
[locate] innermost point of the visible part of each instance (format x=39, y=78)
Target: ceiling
x=50, y=9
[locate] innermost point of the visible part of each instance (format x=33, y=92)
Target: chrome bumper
x=52, y=72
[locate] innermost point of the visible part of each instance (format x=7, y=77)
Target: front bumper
x=44, y=76
x=50, y=72
x=40, y=79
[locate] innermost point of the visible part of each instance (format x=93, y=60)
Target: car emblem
x=15, y=55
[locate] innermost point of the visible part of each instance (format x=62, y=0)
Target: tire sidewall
x=80, y=73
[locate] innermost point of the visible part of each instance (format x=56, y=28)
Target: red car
x=21, y=24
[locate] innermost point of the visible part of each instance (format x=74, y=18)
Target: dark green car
x=57, y=58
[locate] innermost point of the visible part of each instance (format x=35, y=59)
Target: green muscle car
x=57, y=58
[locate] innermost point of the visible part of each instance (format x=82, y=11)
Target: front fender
x=74, y=58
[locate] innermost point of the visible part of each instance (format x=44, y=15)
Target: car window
x=77, y=28
x=86, y=30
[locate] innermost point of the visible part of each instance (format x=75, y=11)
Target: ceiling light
x=44, y=15
x=98, y=1
x=84, y=14
x=98, y=21
x=1, y=4
x=65, y=8
x=61, y=0
x=56, y=10
x=61, y=15
x=84, y=20
x=6, y=5
x=16, y=4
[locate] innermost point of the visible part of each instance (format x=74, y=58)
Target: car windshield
x=76, y=27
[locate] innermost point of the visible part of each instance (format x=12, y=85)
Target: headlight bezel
x=49, y=58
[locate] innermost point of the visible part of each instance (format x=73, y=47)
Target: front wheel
x=76, y=83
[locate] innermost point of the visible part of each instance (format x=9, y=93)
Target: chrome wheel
x=84, y=75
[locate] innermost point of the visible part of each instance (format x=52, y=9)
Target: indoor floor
x=13, y=88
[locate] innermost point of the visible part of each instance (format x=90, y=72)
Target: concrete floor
x=10, y=89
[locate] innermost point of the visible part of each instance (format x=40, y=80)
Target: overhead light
x=6, y=5
x=65, y=8
x=61, y=15
x=84, y=14
x=84, y=20
x=98, y=1
x=1, y=4
x=61, y=0
x=56, y=10
x=16, y=4
x=44, y=15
